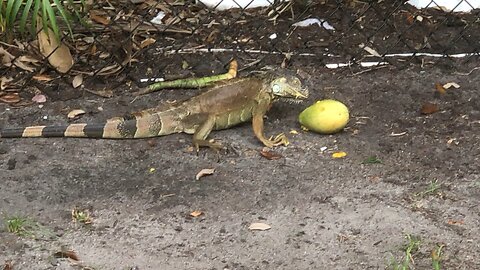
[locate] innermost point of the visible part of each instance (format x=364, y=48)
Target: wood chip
x=259, y=227
x=196, y=213
x=203, y=173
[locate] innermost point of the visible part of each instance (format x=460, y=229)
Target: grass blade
x=65, y=15
x=26, y=12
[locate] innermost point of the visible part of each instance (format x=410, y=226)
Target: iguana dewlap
x=220, y=106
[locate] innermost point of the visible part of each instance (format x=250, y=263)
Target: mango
x=326, y=116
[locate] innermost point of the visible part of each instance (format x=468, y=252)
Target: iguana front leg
x=201, y=134
x=257, y=124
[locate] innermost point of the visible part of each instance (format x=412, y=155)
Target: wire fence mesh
x=136, y=40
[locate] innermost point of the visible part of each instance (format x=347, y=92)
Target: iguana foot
x=204, y=143
x=280, y=139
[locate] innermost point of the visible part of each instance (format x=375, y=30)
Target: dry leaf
x=39, y=98
x=270, y=155
x=429, y=108
x=8, y=265
x=77, y=81
x=59, y=55
x=4, y=82
x=339, y=155
x=75, y=114
x=259, y=227
x=147, y=42
x=196, y=213
x=293, y=131
x=10, y=98
x=204, y=172
x=450, y=84
x=66, y=254
x=440, y=88
x=99, y=17
x=456, y=222
x=42, y=78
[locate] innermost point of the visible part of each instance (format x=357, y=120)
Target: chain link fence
x=142, y=40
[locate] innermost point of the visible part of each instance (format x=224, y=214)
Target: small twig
x=466, y=74
x=367, y=70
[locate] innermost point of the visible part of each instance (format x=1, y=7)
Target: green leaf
x=66, y=17
x=8, y=10
x=15, y=9
x=26, y=11
x=36, y=9
x=48, y=11
x=372, y=160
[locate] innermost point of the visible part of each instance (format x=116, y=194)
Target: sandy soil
x=324, y=213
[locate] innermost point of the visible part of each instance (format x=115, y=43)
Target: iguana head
x=288, y=87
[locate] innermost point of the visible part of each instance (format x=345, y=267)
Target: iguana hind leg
x=201, y=134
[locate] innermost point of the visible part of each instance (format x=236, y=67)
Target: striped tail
x=142, y=124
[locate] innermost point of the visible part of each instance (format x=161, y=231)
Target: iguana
x=222, y=105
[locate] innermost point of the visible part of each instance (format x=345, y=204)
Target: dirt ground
x=324, y=213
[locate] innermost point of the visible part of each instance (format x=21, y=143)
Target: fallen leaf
x=4, y=82
x=8, y=265
x=450, y=84
x=147, y=42
x=66, y=254
x=293, y=131
x=204, y=172
x=440, y=88
x=77, y=81
x=42, y=78
x=270, y=155
x=99, y=17
x=429, y=108
x=58, y=54
x=339, y=155
x=39, y=98
x=456, y=222
x=10, y=98
x=74, y=114
x=259, y=227
x=196, y=213
x=26, y=62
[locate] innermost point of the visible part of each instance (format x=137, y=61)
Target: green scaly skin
x=222, y=105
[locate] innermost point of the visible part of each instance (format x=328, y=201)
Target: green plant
x=409, y=249
x=437, y=257
x=45, y=11
x=432, y=188
x=20, y=226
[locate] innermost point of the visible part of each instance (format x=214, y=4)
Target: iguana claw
x=280, y=139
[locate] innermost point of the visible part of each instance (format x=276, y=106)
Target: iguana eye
x=276, y=88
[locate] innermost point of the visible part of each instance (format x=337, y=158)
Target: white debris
x=158, y=19
x=228, y=4
x=447, y=5
x=310, y=21
x=273, y=36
